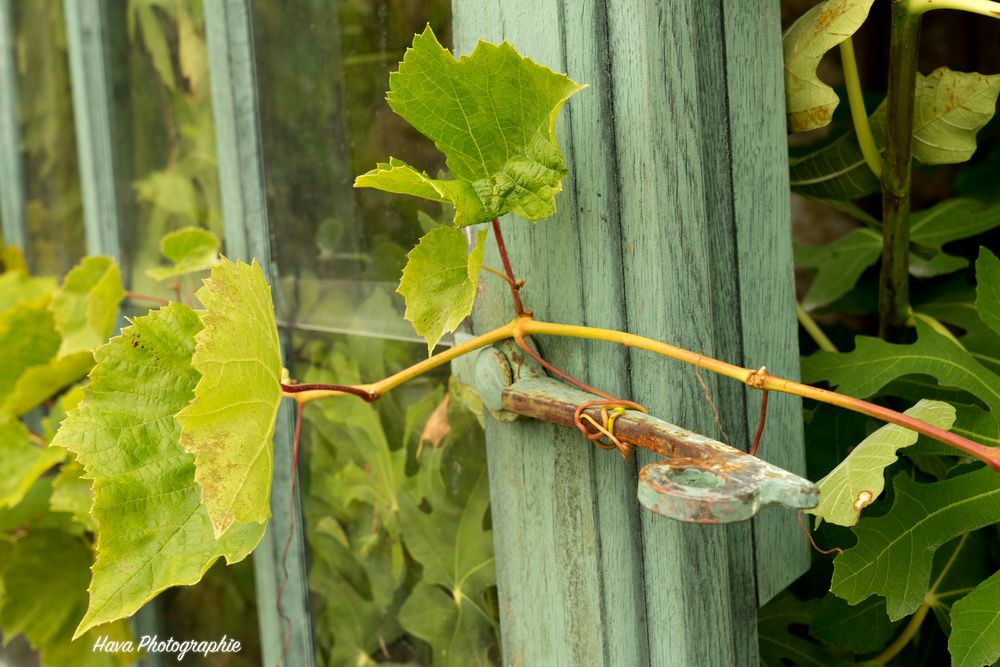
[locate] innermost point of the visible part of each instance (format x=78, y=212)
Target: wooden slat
x=244, y=211
x=87, y=39
x=658, y=233
x=12, y=222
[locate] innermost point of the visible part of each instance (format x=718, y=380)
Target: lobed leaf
x=950, y=109
x=809, y=101
x=152, y=530
x=975, y=619
x=779, y=645
x=439, y=282
x=988, y=289
x=229, y=424
x=85, y=307
x=492, y=113
x=839, y=265
x=858, y=480
x=190, y=249
x=894, y=552
x=863, y=627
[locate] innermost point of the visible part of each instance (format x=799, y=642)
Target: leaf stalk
x=983, y=7
x=859, y=116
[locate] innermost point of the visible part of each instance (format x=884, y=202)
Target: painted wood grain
x=247, y=236
x=676, y=188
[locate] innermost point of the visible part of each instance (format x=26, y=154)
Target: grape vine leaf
x=988, y=289
x=72, y=493
x=894, y=552
x=493, y=114
x=85, y=307
x=809, y=101
x=975, y=619
x=19, y=286
x=950, y=109
x=439, y=282
x=190, y=249
x=858, y=480
x=152, y=530
x=24, y=462
x=32, y=371
x=228, y=426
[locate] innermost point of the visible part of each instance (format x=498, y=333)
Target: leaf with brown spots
x=229, y=424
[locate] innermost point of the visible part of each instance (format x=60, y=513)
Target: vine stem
x=515, y=285
x=859, y=116
x=984, y=7
x=894, y=298
x=146, y=297
x=522, y=326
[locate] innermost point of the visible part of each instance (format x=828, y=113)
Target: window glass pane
x=168, y=176
x=387, y=486
x=54, y=214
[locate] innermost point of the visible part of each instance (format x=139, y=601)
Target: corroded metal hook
x=701, y=480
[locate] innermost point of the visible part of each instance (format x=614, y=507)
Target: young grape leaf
x=988, y=289
x=190, y=249
x=86, y=305
x=23, y=462
x=975, y=620
x=950, y=108
x=858, y=480
x=228, y=426
x=152, y=530
x=894, y=552
x=439, y=282
x=493, y=115
x=809, y=101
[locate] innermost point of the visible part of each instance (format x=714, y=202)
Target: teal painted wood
x=244, y=211
x=675, y=195
x=11, y=171
x=87, y=39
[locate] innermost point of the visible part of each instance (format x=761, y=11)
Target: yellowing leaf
x=810, y=102
x=949, y=110
x=86, y=306
x=858, y=480
x=492, y=113
x=439, y=282
x=190, y=249
x=71, y=493
x=228, y=426
x=152, y=530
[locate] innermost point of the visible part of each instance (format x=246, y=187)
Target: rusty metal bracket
x=700, y=481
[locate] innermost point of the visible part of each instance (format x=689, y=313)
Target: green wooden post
x=244, y=211
x=87, y=39
x=674, y=225
x=11, y=172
